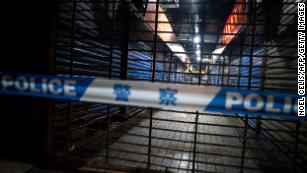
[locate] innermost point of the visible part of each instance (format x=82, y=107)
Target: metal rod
x=195, y=141
x=244, y=144
x=258, y=126
x=149, y=138
x=154, y=53
x=69, y=136
x=252, y=44
x=170, y=67
x=111, y=43
x=107, y=135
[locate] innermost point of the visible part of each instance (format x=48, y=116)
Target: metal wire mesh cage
x=243, y=44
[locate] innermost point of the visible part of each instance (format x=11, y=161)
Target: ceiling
x=209, y=16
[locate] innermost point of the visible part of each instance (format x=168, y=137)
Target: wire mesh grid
x=241, y=44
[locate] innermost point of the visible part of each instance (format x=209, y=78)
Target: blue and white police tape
x=151, y=94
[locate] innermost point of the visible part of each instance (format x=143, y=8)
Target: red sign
x=235, y=21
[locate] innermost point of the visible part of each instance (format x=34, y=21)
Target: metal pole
x=195, y=141
x=152, y=79
x=71, y=73
x=170, y=68
x=107, y=135
x=154, y=53
x=111, y=42
x=124, y=30
x=258, y=126
x=149, y=138
x=240, y=61
x=252, y=44
x=223, y=70
x=244, y=143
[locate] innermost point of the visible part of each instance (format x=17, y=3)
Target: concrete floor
x=173, y=151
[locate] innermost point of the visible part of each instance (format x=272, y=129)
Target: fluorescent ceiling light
x=198, y=58
x=179, y=51
x=206, y=60
x=196, y=39
x=165, y=26
x=198, y=52
x=218, y=53
x=196, y=29
x=175, y=47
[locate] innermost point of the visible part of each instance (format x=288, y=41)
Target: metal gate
x=243, y=44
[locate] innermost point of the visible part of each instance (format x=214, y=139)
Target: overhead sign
x=151, y=94
x=235, y=22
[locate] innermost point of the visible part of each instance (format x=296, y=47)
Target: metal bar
x=223, y=71
x=228, y=73
x=244, y=144
x=202, y=28
x=154, y=53
x=170, y=68
x=258, y=126
x=124, y=41
x=199, y=75
x=175, y=72
x=107, y=136
x=153, y=79
x=252, y=43
x=111, y=43
x=195, y=142
x=69, y=136
x=149, y=139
